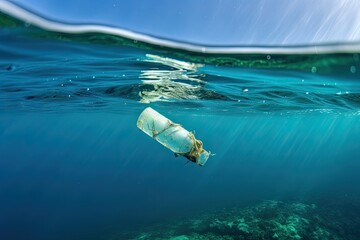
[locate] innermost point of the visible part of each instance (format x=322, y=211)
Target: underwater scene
x=274, y=140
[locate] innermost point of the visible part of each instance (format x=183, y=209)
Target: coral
x=182, y=237
x=267, y=220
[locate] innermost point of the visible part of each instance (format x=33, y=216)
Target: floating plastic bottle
x=172, y=135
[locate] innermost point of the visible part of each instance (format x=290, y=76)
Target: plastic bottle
x=172, y=135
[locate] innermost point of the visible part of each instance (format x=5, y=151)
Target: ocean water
x=284, y=130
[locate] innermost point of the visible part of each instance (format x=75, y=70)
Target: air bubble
x=353, y=69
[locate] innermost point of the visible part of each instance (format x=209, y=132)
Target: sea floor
x=266, y=220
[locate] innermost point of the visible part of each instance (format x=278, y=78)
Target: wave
x=50, y=25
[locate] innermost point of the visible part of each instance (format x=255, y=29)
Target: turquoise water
x=284, y=130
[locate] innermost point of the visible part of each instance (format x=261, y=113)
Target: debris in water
x=172, y=136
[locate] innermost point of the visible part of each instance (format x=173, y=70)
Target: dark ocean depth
x=284, y=131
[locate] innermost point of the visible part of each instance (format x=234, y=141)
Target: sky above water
x=216, y=22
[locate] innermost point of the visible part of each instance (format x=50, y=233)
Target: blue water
x=73, y=164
